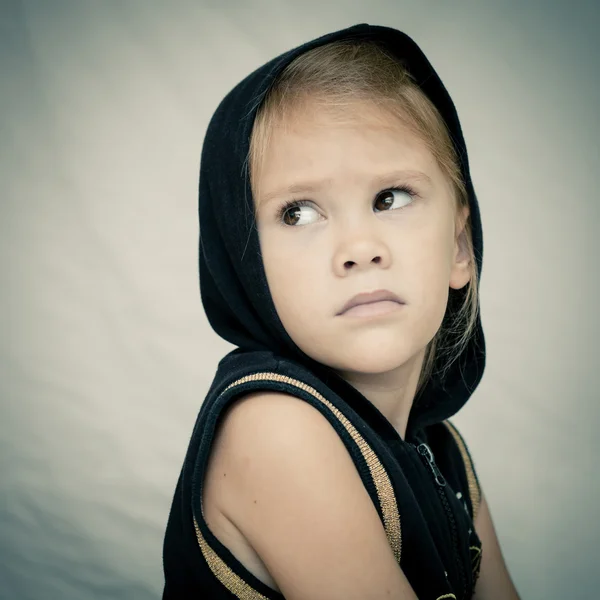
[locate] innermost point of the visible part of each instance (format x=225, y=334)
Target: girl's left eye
x=388, y=199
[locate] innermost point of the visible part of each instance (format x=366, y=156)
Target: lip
x=369, y=298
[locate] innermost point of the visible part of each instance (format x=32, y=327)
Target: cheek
x=291, y=275
x=427, y=261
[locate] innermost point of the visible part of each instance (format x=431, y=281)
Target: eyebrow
x=314, y=186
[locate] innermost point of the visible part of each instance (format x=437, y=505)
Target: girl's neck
x=392, y=392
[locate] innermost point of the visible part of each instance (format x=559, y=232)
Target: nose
x=360, y=252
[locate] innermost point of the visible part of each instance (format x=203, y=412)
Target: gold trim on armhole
x=471, y=479
x=383, y=487
x=233, y=582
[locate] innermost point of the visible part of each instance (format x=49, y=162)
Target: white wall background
x=105, y=352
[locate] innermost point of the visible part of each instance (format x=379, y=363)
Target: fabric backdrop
x=105, y=352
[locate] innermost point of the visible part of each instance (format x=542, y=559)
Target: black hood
x=233, y=284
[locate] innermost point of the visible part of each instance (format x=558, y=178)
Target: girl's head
x=357, y=187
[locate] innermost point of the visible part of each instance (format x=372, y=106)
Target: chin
x=371, y=356
x=373, y=364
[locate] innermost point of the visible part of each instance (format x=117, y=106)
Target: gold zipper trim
x=474, y=492
x=383, y=487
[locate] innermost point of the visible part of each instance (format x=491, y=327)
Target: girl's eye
x=301, y=212
x=393, y=198
x=298, y=212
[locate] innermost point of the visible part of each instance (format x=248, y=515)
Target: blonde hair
x=339, y=75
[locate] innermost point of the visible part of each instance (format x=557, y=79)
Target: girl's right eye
x=298, y=212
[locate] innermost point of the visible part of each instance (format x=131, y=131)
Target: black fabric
x=240, y=309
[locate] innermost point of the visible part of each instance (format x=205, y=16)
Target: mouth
x=377, y=302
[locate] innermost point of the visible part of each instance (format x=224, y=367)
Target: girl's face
x=345, y=231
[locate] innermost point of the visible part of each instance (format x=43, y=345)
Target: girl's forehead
x=328, y=113
x=310, y=139
x=314, y=141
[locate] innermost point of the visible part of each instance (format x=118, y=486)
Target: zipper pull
x=424, y=450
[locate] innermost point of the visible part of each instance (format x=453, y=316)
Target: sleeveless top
x=425, y=491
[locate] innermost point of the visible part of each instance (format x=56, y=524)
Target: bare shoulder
x=290, y=486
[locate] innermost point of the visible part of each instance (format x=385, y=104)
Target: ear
x=460, y=272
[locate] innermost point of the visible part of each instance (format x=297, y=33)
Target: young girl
x=340, y=252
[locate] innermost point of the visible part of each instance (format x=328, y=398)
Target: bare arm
x=494, y=581
x=295, y=494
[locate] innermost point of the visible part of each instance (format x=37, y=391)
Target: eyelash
x=285, y=206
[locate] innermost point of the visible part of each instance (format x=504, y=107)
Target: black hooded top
x=424, y=487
